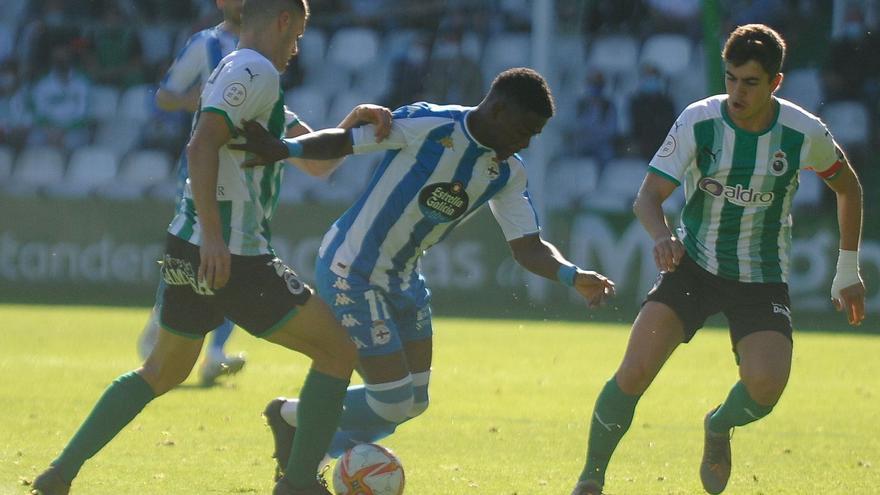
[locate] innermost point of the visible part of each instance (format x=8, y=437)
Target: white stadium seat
x=140, y=170
x=342, y=105
x=103, y=101
x=156, y=43
x=136, y=104
x=118, y=137
x=310, y=104
x=312, y=47
x=35, y=168
x=803, y=87
x=670, y=53
x=503, y=51
x=353, y=48
x=570, y=182
x=90, y=167
x=613, y=54
x=618, y=185
x=848, y=121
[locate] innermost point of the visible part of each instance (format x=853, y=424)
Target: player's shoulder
x=700, y=110
x=799, y=119
x=423, y=109
x=250, y=67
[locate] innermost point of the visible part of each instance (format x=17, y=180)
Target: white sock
x=288, y=411
x=216, y=355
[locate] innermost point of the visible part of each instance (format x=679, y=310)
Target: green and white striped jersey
x=739, y=185
x=245, y=85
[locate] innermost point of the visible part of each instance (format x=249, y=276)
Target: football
x=368, y=469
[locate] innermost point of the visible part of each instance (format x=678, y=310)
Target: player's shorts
x=261, y=295
x=378, y=322
x=695, y=294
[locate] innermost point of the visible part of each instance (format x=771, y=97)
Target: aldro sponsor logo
x=443, y=202
x=736, y=194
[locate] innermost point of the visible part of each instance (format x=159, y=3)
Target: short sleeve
x=187, y=68
x=363, y=138
x=676, y=153
x=822, y=153
x=513, y=208
x=240, y=90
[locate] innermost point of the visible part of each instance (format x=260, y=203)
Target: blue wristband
x=294, y=147
x=566, y=274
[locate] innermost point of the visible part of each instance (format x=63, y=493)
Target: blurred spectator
x=408, y=72
x=115, y=55
x=60, y=104
x=770, y=12
x=15, y=120
x=167, y=131
x=619, y=16
x=675, y=16
x=452, y=75
x=853, y=69
x=48, y=24
x=651, y=111
x=595, y=126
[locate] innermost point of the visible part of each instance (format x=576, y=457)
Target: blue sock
x=220, y=336
x=360, y=423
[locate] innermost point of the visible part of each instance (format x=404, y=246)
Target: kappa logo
x=358, y=343
x=342, y=300
x=736, y=194
x=380, y=333
x=349, y=321
x=341, y=284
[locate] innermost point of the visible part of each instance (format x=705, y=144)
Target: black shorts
x=695, y=294
x=262, y=293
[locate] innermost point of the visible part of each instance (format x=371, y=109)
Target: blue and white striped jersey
x=198, y=58
x=434, y=176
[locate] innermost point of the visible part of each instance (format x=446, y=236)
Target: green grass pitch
x=509, y=413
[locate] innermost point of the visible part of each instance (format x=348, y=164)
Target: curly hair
x=526, y=88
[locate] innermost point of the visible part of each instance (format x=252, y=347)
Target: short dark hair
x=755, y=42
x=526, y=88
x=260, y=10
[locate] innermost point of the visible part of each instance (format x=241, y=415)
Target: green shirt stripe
x=791, y=143
x=745, y=148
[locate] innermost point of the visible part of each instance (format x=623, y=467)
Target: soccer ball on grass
x=368, y=469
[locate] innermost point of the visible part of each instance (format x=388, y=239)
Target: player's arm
x=203, y=157
x=648, y=208
x=379, y=117
x=542, y=258
x=848, y=289
x=170, y=101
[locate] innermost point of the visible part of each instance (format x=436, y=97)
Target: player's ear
x=776, y=82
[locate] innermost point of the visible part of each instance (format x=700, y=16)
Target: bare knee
x=161, y=379
x=633, y=378
x=764, y=387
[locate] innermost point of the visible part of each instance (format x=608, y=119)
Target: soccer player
x=180, y=90
x=739, y=156
x=442, y=164
x=219, y=263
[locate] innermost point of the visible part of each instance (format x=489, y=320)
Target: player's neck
x=231, y=27
x=761, y=120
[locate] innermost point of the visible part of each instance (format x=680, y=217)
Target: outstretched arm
x=848, y=289
x=542, y=258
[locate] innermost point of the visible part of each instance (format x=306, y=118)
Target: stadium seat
x=397, y=41
x=7, y=156
x=670, y=53
x=310, y=104
x=312, y=47
x=296, y=185
x=613, y=54
x=103, y=101
x=136, y=104
x=36, y=168
x=503, y=51
x=803, y=87
x=618, y=185
x=848, y=121
x=353, y=48
x=119, y=138
x=342, y=105
x=90, y=167
x=569, y=182
x=140, y=170
x=809, y=193
x=328, y=77
x=373, y=82
x=156, y=43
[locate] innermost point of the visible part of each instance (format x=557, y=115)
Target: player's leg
x=656, y=333
x=150, y=333
x=764, y=365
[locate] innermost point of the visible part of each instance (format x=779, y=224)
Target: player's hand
x=851, y=300
x=668, y=251
x=377, y=115
x=215, y=263
x=261, y=144
x=594, y=287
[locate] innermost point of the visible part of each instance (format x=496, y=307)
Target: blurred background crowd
x=78, y=78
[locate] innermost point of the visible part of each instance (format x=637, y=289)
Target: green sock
x=612, y=416
x=121, y=402
x=739, y=409
x=320, y=406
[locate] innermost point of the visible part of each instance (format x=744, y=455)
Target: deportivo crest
x=235, y=94
x=380, y=333
x=443, y=202
x=779, y=163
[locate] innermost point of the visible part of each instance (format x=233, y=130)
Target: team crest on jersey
x=778, y=164
x=235, y=94
x=380, y=333
x=443, y=202
x=668, y=147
